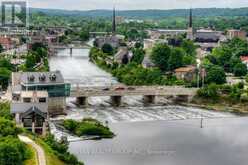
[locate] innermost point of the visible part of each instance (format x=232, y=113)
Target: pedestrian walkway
x=39, y=150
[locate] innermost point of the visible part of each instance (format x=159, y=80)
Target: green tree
x=12, y=151
x=1, y=48
x=240, y=69
x=84, y=35
x=108, y=49
x=209, y=92
x=176, y=58
x=138, y=55
x=216, y=74
x=160, y=56
x=189, y=47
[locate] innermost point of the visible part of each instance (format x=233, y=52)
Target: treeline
x=148, y=14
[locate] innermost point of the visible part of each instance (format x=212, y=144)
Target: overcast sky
x=134, y=4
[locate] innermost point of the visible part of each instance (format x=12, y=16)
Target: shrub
x=210, y=91
x=12, y=151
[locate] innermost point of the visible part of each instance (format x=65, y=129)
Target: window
x=42, y=100
x=27, y=100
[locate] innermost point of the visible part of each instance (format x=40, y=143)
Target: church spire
x=113, y=22
x=190, y=18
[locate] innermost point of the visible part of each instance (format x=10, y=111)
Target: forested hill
x=149, y=14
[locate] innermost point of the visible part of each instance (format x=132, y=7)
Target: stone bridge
x=149, y=93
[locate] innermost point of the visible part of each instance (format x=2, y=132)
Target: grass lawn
x=33, y=157
x=51, y=158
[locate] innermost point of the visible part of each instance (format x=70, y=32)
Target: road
x=39, y=150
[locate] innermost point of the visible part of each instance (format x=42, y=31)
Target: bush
x=216, y=75
x=12, y=151
x=7, y=127
x=209, y=92
x=61, y=150
x=240, y=69
x=88, y=127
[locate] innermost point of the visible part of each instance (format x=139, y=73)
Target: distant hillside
x=148, y=14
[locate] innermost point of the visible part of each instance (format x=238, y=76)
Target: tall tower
x=190, y=32
x=113, y=22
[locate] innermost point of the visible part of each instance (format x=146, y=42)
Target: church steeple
x=190, y=33
x=190, y=18
x=113, y=22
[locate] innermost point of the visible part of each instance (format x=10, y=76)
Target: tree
x=209, y=92
x=176, y=58
x=138, y=56
x=1, y=48
x=12, y=151
x=160, y=55
x=84, y=35
x=216, y=74
x=107, y=48
x=240, y=69
x=189, y=47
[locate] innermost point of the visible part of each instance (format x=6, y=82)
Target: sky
x=135, y=4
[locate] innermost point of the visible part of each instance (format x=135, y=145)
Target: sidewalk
x=39, y=150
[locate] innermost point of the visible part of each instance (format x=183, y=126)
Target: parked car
x=119, y=88
x=131, y=88
x=106, y=89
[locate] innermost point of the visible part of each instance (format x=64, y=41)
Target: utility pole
x=201, y=121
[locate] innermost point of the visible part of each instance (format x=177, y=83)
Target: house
x=30, y=109
x=123, y=56
x=51, y=82
x=244, y=60
x=187, y=73
x=7, y=43
x=233, y=33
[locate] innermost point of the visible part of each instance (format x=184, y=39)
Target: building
x=51, y=82
x=123, y=56
x=244, y=60
x=190, y=31
x=30, y=109
x=207, y=36
x=187, y=73
x=113, y=40
x=167, y=33
x=233, y=33
x=7, y=43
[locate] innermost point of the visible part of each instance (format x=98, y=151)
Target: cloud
x=134, y=4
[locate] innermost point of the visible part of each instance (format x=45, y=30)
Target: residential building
x=123, y=56
x=233, y=33
x=244, y=60
x=7, y=43
x=187, y=73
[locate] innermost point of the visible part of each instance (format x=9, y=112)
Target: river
x=158, y=134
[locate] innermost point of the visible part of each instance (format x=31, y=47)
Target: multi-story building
x=51, y=82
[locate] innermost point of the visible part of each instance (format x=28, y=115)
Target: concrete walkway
x=39, y=150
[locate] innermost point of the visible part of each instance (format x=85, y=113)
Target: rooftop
x=185, y=69
x=41, y=78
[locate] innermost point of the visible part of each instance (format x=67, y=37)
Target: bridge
x=149, y=93
x=54, y=47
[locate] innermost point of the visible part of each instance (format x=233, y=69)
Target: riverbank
x=219, y=106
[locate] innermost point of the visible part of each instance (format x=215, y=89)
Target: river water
x=158, y=134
